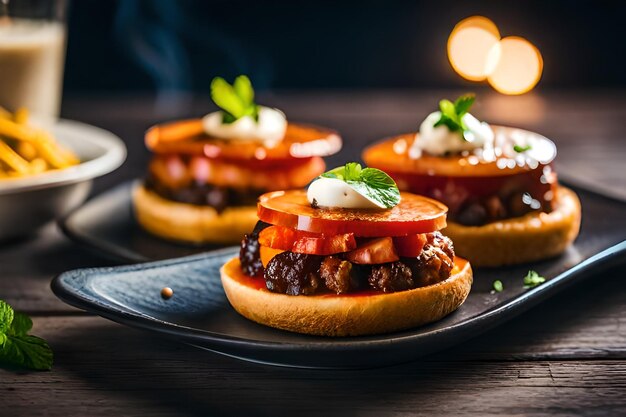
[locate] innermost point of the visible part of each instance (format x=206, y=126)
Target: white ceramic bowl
x=28, y=203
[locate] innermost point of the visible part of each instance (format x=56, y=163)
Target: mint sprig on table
x=532, y=279
x=452, y=113
x=17, y=347
x=236, y=100
x=371, y=183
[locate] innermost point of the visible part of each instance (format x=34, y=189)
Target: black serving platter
x=199, y=314
x=106, y=223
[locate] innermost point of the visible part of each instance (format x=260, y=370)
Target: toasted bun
x=190, y=223
x=523, y=239
x=345, y=315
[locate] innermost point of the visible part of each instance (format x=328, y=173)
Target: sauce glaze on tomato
x=478, y=187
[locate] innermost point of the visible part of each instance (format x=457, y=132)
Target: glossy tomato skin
x=277, y=237
x=283, y=238
x=325, y=245
x=414, y=214
x=187, y=137
x=409, y=246
x=376, y=251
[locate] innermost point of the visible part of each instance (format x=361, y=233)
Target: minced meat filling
x=301, y=274
x=202, y=194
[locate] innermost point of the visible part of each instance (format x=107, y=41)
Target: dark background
x=179, y=46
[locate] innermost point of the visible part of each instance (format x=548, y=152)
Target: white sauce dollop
x=440, y=140
x=270, y=129
x=333, y=192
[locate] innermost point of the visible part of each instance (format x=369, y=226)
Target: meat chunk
x=391, y=277
x=434, y=263
x=250, y=252
x=338, y=275
x=294, y=274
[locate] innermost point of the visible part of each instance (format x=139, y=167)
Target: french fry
x=12, y=159
x=27, y=150
x=68, y=155
x=38, y=165
x=15, y=131
x=21, y=116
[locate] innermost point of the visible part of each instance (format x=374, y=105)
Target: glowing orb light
x=518, y=68
x=511, y=65
x=472, y=47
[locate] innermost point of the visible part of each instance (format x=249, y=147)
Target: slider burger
x=207, y=174
x=505, y=203
x=350, y=256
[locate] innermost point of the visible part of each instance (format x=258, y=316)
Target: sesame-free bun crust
x=346, y=315
x=190, y=223
x=523, y=239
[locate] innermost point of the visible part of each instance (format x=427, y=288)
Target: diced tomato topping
x=267, y=254
x=325, y=245
x=283, y=238
x=375, y=251
x=277, y=237
x=409, y=246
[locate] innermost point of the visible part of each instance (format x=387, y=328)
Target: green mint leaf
x=520, y=149
x=236, y=101
x=6, y=317
x=25, y=351
x=338, y=173
x=497, y=286
x=452, y=113
x=448, y=122
x=224, y=95
x=371, y=183
x=352, y=172
x=17, y=348
x=243, y=89
x=447, y=109
x=463, y=104
x=532, y=279
x=21, y=325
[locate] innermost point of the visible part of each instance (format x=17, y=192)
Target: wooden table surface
x=565, y=357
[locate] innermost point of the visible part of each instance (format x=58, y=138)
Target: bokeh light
x=519, y=66
x=511, y=65
x=472, y=47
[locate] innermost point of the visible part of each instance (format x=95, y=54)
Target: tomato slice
x=415, y=214
x=188, y=137
x=375, y=251
x=267, y=254
x=283, y=238
x=325, y=245
x=409, y=246
x=393, y=154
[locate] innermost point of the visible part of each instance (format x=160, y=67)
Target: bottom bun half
x=345, y=315
x=190, y=223
x=519, y=240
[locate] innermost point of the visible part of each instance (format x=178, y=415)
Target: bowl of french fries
x=47, y=171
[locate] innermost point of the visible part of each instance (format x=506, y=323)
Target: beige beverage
x=32, y=54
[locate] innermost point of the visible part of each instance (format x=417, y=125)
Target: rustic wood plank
x=28, y=265
x=106, y=369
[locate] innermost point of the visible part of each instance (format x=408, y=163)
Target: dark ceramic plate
x=200, y=315
x=107, y=224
